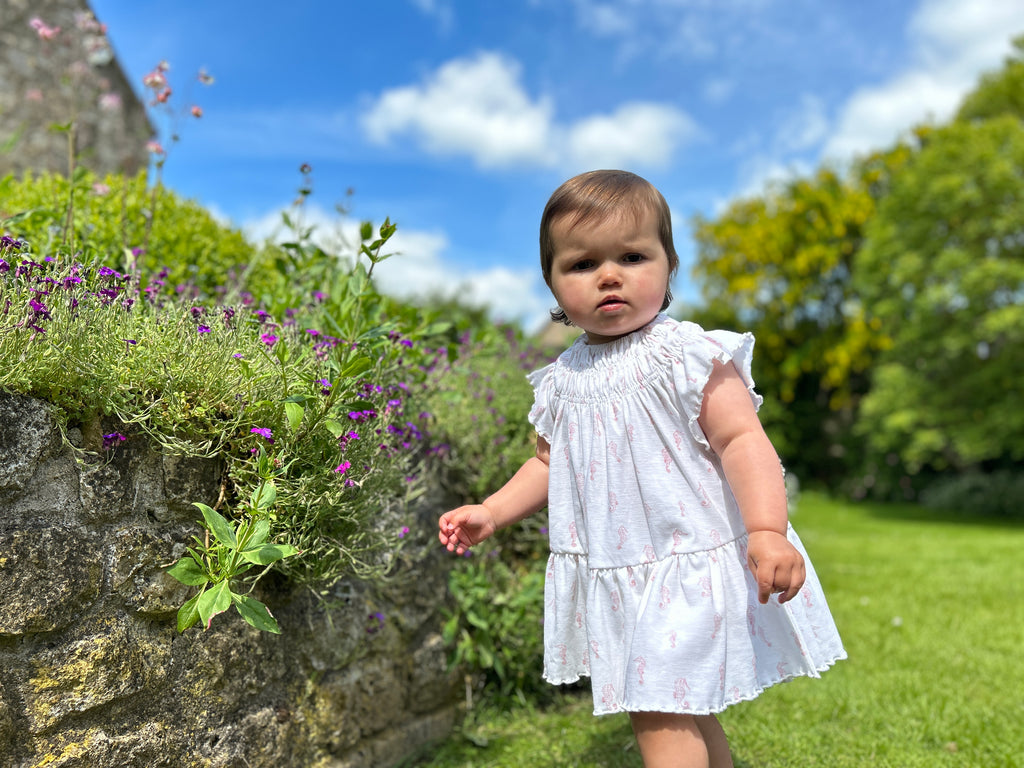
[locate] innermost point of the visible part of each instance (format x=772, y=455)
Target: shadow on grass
x=918, y=513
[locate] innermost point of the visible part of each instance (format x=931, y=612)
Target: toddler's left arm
x=754, y=474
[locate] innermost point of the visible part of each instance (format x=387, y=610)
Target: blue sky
x=457, y=119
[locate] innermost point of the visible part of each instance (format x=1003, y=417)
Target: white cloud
x=477, y=107
x=636, y=133
x=419, y=270
x=953, y=42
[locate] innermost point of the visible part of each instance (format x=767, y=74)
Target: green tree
x=780, y=265
x=942, y=270
x=998, y=93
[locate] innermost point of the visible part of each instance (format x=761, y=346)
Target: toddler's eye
x=633, y=258
x=581, y=265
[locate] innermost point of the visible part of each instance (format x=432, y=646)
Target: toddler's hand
x=463, y=527
x=776, y=564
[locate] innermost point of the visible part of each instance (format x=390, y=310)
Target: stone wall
x=43, y=83
x=93, y=672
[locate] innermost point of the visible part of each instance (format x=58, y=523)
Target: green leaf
x=264, y=496
x=266, y=554
x=261, y=530
x=294, y=412
x=356, y=367
x=188, y=571
x=435, y=329
x=188, y=614
x=335, y=428
x=256, y=613
x=475, y=620
x=222, y=530
x=365, y=230
x=213, y=602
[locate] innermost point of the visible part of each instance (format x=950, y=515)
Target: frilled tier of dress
x=647, y=589
x=683, y=634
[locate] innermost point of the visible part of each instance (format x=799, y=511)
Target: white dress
x=647, y=589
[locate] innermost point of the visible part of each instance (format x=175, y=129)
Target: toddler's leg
x=669, y=740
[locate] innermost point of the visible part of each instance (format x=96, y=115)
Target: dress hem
x=816, y=672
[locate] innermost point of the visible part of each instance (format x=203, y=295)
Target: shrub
x=978, y=494
x=127, y=224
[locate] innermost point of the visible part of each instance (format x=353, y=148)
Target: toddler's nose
x=609, y=275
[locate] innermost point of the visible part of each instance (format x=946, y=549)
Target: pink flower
x=269, y=339
x=153, y=147
x=33, y=94
x=99, y=188
x=197, y=111
x=163, y=96
x=110, y=102
x=342, y=468
x=44, y=32
x=155, y=80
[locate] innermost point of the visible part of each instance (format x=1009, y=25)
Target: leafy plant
x=320, y=404
x=496, y=625
x=212, y=566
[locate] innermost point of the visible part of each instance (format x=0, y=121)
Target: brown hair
x=599, y=193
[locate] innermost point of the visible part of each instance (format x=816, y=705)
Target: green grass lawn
x=931, y=610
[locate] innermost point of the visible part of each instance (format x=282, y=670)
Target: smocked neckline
x=583, y=353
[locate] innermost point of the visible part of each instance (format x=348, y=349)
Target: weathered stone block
x=27, y=435
x=6, y=723
x=50, y=496
x=107, y=660
x=138, y=570
x=103, y=493
x=48, y=577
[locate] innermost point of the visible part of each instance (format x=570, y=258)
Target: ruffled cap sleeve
x=693, y=362
x=541, y=416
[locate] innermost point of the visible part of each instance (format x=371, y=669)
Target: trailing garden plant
x=315, y=408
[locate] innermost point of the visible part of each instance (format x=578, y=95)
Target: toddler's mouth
x=611, y=301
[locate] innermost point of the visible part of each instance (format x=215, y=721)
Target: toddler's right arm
x=523, y=495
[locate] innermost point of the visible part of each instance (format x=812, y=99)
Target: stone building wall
x=46, y=82
x=93, y=672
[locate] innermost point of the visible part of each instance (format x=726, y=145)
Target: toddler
x=675, y=581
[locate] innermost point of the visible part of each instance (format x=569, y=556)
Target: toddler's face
x=610, y=275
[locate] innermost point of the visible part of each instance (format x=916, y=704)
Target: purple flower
x=376, y=620
x=238, y=356
x=269, y=339
x=404, y=532
x=109, y=441
x=203, y=329
x=108, y=272
x=264, y=432
x=342, y=468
